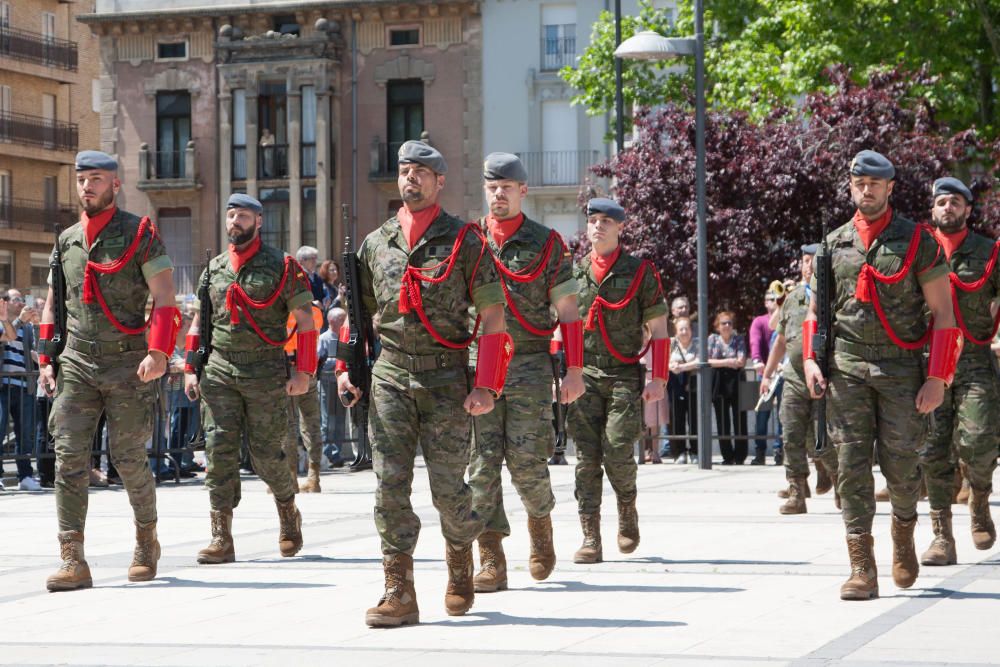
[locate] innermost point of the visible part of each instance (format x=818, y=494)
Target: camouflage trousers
x=304, y=420
x=248, y=397
x=518, y=431
x=966, y=424
x=85, y=387
x=433, y=417
x=869, y=406
x=605, y=424
x=797, y=415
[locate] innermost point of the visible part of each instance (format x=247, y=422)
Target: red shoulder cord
x=237, y=299
x=600, y=303
x=866, y=291
x=410, y=297
x=92, y=289
x=527, y=275
x=975, y=286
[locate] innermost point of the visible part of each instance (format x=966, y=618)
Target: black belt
x=98, y=348
x=251, y=356
x=875, y=352
x=416, y=363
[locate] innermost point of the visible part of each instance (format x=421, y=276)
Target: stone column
x=294, y=164
x=252, y=139
x=225, y=144
x=324, y=166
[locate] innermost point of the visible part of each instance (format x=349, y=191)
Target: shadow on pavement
x=957, y=595
x=499, y=618
x=714, y=561
x=174, y=582
x=580, y=587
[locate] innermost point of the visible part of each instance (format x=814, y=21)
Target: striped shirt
x=13, y=359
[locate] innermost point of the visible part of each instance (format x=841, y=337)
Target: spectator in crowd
x=656, y=416
x=679, y=307
x=727, y=354
x=335, y=290
x=184, y=413
x=308, y=258
x=17, y=396
x=683, y=383
x=332, y=412
x=760, y=345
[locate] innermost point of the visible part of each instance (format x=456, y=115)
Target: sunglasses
x=727, y=323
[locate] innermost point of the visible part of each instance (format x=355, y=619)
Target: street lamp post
x=649, y=45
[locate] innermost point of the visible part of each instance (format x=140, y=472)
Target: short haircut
x=680, y=298
x=306, y=252
x=722, y=314
x=682, y=319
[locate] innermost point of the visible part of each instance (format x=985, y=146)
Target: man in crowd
x=332, y=412
x=308, y=257
x=17, y=395
x=760, y=345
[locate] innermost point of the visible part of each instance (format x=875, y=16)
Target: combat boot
x=221, y=549
x=904, y=554
x=147, y=552
x=590, y=551
x=628, y=527
x=311, y=485
x=834, y=477
x=796, y=503
x=785, y=492
x=962, y=497
x=492, y=576
x=290, y=531
x=984, y=532
x=882, y=495
x=863, y=582
x=823, y=480
x=398, y=605
x=942, y=548
x=460, y=594
x=543, y=553
x=74, y=572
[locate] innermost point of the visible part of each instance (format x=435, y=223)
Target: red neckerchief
x=501, y=230
x=600, y=265
x=239, y=257
x=415, y=223
x=869, y=230
x=93, y=225
x=949, y=242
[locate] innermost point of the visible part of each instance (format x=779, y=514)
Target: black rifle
x=558, y=361
x=54, y=347
x=204, y=321
x=823, y=339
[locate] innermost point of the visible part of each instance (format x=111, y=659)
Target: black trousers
x=728, y=418
x=683, y=421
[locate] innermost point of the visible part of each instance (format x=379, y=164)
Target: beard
x=952, y=226
x=413, y=195
x=871, y=208
x=500, y=209
x=100, y=203
x=239, y=236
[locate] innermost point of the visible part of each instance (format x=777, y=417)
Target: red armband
x=572, y=335
x=344, y=336
x=191, y=344
x=305, y=351
x=163, y=329
x=661, y=359
x=809, y=329
x=495, y=352
x=46, y=331
x=946, y=348
x=555, y=346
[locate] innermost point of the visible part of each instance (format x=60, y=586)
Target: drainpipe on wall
x=218, y=158
x=354, y=133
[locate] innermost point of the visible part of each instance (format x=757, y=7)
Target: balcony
x=557, y=52
x=168, y=170
x=384, y=160
x=272, y=162
x=37, y=48
x=35, y=216
x=19, y=128
x=557, y=168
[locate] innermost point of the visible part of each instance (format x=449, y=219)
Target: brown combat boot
x=628, y=527
x=882, y=495
x=863, y=582
x=834, y=476
x=984, y=532
x=221, y=548
x=147, y=552
x=796, y=503
x=311, y=485
x=290, y=531
x=785, y=492
x=962, y=497
x=398, y=605
x=942, y=548
x=824, y=482
x=460, y=594
x=590, y=551
x=492, y=576
x=904, y=554
x=74, y=572
x=543, y=554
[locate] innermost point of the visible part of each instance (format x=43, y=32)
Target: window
x=239, y=166
x=4, y=14
x=558, y=45
x=48, y=26
x=39, y=273
x=50, y=188
x=5, y=108
x=274, y=229
x=404, y=36
x=174, y=225
x=49, y=116
x=285, y=24
x=172, y=51
x=405, y=115
x=173, y=131
x=308, y=125
x=6, y=267
x=309, y=216
x=6, y=199
x=272, y=119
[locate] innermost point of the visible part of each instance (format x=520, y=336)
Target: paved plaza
x=720, y=577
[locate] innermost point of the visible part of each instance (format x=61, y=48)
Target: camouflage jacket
x=968, y=263
x=126, y=292
x=793, y=313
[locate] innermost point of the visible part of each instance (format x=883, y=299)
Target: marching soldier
x=252, y=287
x=886, y=271
x=111, y=262
x=536, y=271
x=421, y=271
x=304, y=416
x=621, y=300
x=968, y=420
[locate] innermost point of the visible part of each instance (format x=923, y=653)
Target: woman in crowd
x=727, y=354
x=683, y=378
x=333, y=286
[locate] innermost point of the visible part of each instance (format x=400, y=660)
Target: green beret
x=504, y=167
x=417, y=152
x=240, y=200
x=608, y=207
x=870, y=163
x=95, y=160
x=951, y=186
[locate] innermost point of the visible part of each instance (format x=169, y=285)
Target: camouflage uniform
x=873, y=383
x=606, y=421
x=304, y=418
x=418, y=385
x=243, y=383
x=97, y=369
x=519, y=429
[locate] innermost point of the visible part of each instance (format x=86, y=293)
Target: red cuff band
x=555, y=346
x=661, y=359
x=191, y=344
x=946, y=348
x=809, y=329
x=572, y=335
x=306, y=357
x=44, y=359
x=163, y=330
x=46, y=331
x=495, y=352
x=344, y=336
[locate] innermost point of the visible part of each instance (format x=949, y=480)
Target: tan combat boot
x=942, y=548
x=962, y=497
x=590, y=551
x=785, y=492
x=492, y=576
x=221, y=548
x=290, y=531
x=863, y=582
x=984, y=532
x=460, y=594
x=74, y=572
x=824, y=482
x=796, y=503
x=311, y=485
x=398, y=605
x=147, y=552
x=543, y=553
x=904, y=554
x=628, y=527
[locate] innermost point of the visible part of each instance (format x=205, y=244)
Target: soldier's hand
x=814, y=378
x=191, y=387
x=47, y=380
x=654, y=391
x=765, y=385
x=478, y=402
x=345, y=388
x=930, y=396
x=571, y=388
x=152, y=367
x=298, y=384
